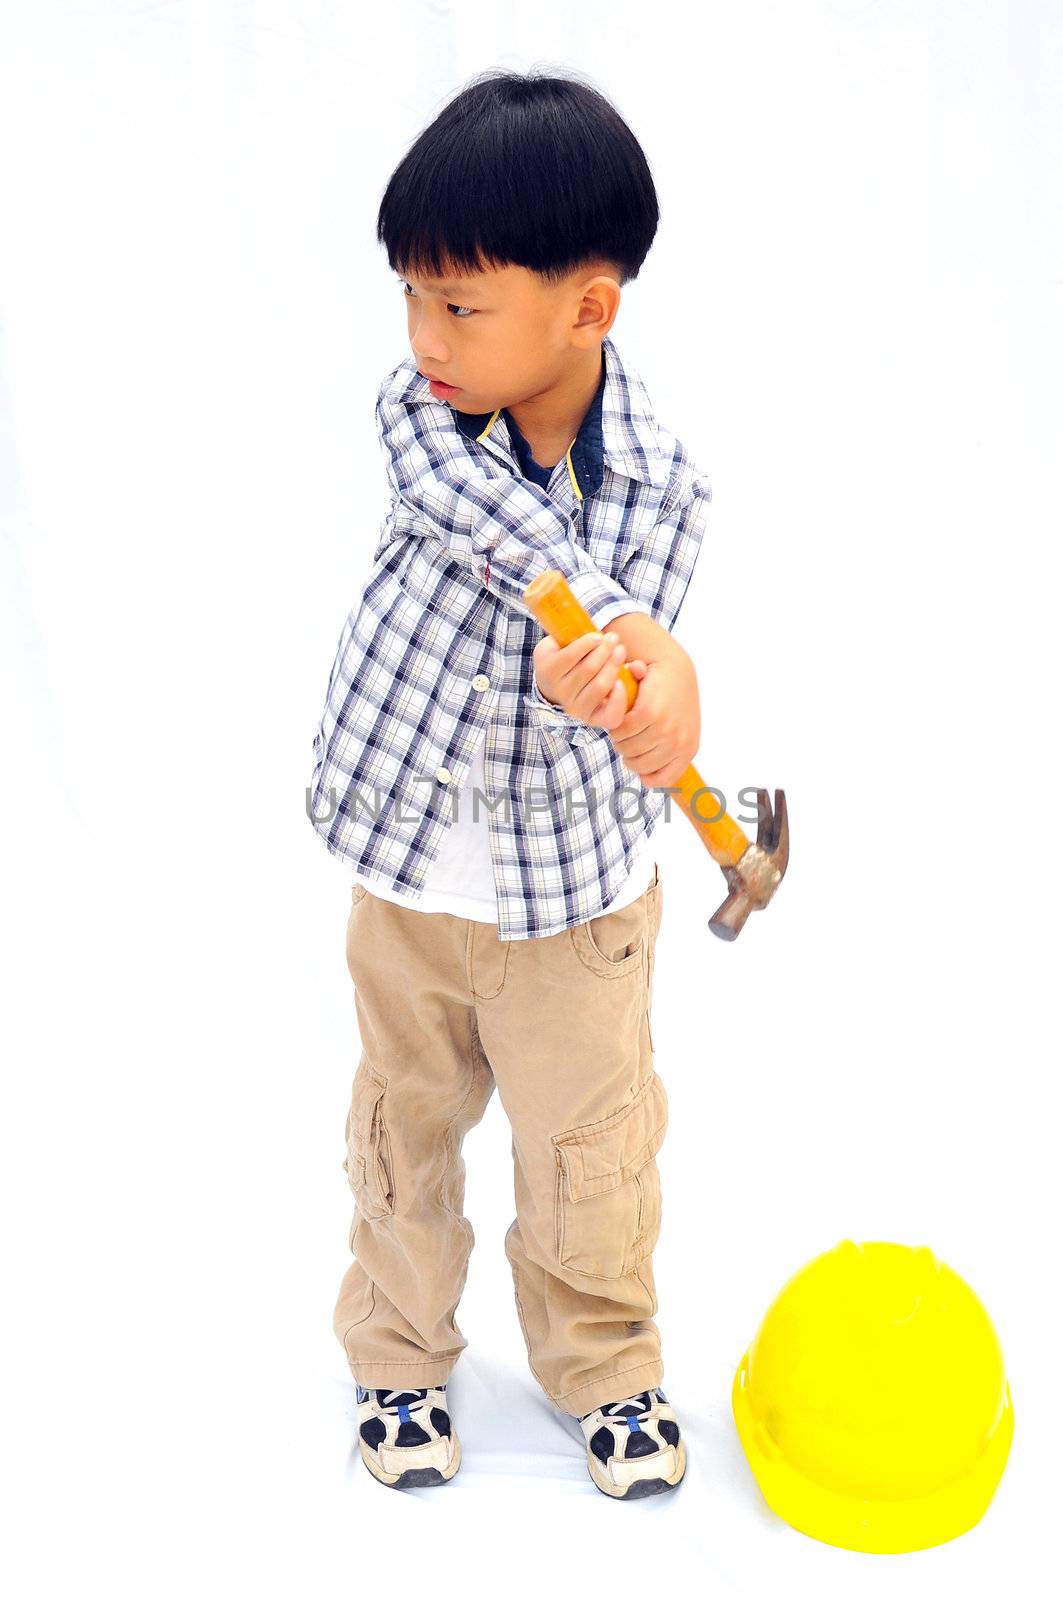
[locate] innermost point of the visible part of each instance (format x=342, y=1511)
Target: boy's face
x=503, y=336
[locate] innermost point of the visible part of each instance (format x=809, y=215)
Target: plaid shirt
x=437, y=655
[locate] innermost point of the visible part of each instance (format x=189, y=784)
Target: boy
x=511, y=942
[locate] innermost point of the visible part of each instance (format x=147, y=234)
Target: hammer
x=753, y=871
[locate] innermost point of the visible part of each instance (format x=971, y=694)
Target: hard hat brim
x=878, y=1527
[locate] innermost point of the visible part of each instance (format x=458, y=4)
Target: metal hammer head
x=760, y=869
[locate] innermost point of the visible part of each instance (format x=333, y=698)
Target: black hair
x=525, y=169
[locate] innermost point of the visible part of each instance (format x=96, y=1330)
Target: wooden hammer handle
x=552, y=602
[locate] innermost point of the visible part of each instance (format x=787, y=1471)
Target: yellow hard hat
x=872, y=1404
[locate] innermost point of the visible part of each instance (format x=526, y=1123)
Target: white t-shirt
x=461, y=879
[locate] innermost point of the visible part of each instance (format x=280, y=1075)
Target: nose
x=428, y=354
x=425, y=344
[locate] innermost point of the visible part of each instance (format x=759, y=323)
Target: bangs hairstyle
x=523, y=169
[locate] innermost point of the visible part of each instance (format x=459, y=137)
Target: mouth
x=439, y=384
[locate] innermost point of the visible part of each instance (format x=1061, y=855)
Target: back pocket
x=607, y=1200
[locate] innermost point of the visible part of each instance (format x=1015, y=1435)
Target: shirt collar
x=618, y=430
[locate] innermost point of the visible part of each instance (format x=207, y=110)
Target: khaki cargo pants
x=447, y=1010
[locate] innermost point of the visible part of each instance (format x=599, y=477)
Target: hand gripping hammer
x=753, y=871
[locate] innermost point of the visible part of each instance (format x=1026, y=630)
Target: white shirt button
x=481, y=681
x=443, y=774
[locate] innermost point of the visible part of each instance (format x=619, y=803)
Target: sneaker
x=633, y=1446
x=406, y=1436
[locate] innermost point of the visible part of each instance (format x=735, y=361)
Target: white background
x=851, y=316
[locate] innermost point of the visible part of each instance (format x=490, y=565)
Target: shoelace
x=402, y=1397
x=642, y=1403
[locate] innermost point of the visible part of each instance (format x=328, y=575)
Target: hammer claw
x=773, y=828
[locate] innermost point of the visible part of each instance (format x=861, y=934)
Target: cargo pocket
x=368, y=1161
x=607, y=1199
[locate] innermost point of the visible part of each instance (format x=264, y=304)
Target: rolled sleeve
x=504, y=529
x=603, y=598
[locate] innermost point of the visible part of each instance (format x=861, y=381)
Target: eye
x=412, y=294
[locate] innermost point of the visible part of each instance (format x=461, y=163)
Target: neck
x=551, y=420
